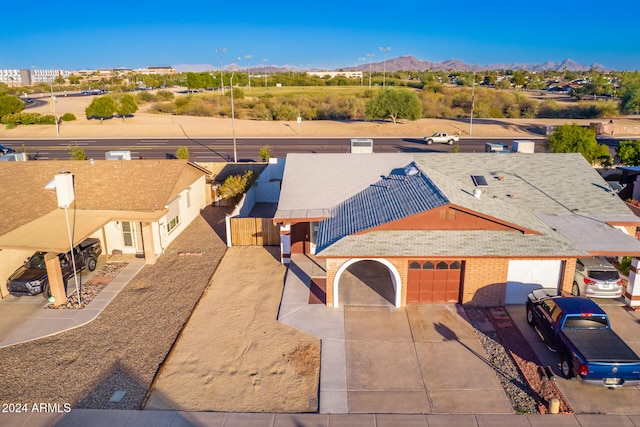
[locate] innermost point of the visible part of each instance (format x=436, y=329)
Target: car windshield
x=36, y=261
x=604, y=275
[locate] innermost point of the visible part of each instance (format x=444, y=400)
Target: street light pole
x=473, y=100
x=249, y=68
x=265, y=60
x=233, y=124
x=361, y=75
x=370, y=55
x=384, y=50
x=53, y=108
x=221, y=50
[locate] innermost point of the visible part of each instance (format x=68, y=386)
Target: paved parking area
x=589, y=399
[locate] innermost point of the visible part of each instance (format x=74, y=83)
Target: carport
x=49, y=234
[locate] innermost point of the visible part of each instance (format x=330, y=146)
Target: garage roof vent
x=479, y=181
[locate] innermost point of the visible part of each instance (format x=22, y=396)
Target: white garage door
x=527, y=275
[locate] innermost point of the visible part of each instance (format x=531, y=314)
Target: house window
x=173, y=223
x=127, y=233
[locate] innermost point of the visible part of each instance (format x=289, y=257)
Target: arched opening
x=367, y=281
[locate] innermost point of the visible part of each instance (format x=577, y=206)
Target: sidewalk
x=25, y=318
x=100, y=417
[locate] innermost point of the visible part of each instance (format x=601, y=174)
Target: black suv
x=32, y=279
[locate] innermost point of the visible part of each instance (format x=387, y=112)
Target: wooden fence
x=254, y=232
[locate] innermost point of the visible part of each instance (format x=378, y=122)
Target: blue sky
x=323, y=34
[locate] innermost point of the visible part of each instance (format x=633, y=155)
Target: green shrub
x=235, y=185
x=68, y=117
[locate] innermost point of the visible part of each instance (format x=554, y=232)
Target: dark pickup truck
x=579, y=331
x=32, y=278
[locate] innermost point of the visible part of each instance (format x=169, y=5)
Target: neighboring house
x=136, y=207
x=481, y=229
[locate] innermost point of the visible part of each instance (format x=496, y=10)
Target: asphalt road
x=222, y=150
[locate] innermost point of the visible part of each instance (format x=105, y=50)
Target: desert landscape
x=145, y=124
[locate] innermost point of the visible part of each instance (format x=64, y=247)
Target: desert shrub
x=549, y=109
x=13, y=120
x=262, y=112
x=163, y=108
x=285, y=112
x=182, y=153
x=68, y=117
x=165, y=95
x=146, y=96
x=265, y=153
x=77, y=153
x=236, y=185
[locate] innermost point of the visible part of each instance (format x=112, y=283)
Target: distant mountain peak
x=411, y=63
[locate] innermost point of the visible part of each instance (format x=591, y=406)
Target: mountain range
x=410, y=63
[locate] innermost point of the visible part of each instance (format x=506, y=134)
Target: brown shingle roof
x=130, y=185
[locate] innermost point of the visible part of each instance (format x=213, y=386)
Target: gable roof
x=378, y=204
x=347, y=193
x=122, y=188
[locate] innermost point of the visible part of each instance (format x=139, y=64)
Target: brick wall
x=484, y=281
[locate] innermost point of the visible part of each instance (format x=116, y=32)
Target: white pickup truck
x=441, y=138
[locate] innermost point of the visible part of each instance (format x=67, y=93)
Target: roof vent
x=411, y=171
x=479, y=181
x=477, y=193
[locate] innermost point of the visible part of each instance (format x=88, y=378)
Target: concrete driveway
x=380, y=359
x=590, y=399
x=418, y=359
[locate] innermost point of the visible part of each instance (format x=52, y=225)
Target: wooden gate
x=254, y=232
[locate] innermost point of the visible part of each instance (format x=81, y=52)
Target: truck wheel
x=429, y=141
x=566, y=367
x=575, y=290
x=530, y=319
x=46, y=292
x=92, y=262
x=450, y=142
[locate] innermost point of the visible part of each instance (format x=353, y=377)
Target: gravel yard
x=123, y=348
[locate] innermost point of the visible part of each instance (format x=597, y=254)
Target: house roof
x=348, y=191
x=104, y=190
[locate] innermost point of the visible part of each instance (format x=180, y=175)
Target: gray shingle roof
x=523, y=189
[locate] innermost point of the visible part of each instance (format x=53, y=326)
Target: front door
x=132, y=236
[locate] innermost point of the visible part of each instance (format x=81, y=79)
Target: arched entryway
x=371, y=280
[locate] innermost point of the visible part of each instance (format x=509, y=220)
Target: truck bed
x=601, y=345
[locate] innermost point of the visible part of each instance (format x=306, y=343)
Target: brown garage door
x=434, y=281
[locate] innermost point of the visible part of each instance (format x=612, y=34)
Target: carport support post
x=148, y=243
x=632, y=294
x=56, y=283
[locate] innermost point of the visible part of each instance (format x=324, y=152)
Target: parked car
x=32, y=278
x=6, y=150
x=595, y=277
x=579, y=330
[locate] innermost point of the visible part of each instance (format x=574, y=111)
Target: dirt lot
x=154, y=125
x=233, y=354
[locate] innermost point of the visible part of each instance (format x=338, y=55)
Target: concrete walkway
x=25, y=318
